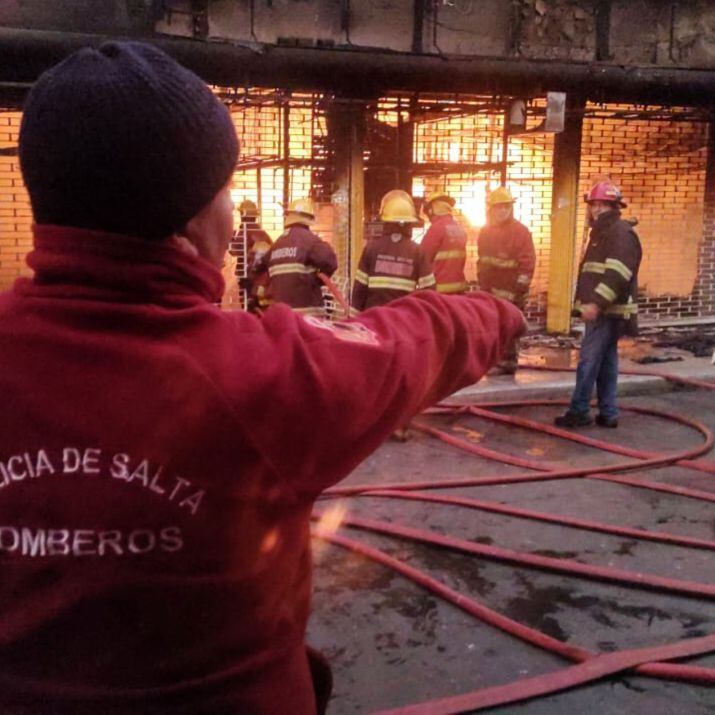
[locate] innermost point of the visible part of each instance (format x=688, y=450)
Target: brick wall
x=704, y=290
x=660, y=167
x=260, y=129
x=15, y=214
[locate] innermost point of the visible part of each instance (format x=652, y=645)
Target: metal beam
x=363, y=74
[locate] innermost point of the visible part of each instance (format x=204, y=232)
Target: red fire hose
x=593, y=666
x=339, y=298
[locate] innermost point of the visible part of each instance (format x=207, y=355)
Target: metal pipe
x=503, y=169
x=252, y=20
x=26, y=53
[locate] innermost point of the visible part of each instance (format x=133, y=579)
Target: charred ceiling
x=624, y=50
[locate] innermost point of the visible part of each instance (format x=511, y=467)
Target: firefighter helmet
x=299, y=211
x=440, y=196
x=500, y=195
x=605, y=191
x=397, y=206
x=439, y=203
x=248, y=208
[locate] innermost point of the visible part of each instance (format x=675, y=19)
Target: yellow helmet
x=397, y=207
x=440, y=196
x=248, y=208
x=299, y=211
x=439, y=203
x=500, y=195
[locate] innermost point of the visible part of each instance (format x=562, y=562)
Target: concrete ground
x=391, y=643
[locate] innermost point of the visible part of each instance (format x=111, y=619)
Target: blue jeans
x=598, y=365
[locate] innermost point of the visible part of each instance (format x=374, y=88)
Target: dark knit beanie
x=124, y=139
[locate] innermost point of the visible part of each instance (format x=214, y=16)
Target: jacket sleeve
x=262, y=235
x=425, y=277
x=623, y=257
x=261, y=262
x=526, y=260
x=431, y=242
x=322, y=256
x=339, y=389
x=360, y=284
x=481, y=267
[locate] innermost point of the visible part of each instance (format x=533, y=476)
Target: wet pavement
x=392, y=643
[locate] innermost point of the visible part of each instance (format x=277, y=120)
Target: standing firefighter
x=606, y=299
x=392, y=265
x=506, y=261
x=445, y=244
x=249, y=245
x=295, y=260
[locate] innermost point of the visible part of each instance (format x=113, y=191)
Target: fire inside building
x=508, y=553
x=425, y=142
x=346, y=146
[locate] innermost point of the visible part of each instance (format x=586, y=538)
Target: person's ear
x=184, y=244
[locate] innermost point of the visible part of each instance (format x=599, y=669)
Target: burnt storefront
x=321, y=115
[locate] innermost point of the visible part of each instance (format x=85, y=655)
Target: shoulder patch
x=349, y=332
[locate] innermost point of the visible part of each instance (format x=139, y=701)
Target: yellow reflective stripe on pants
x=506, y=294
x=394, y=283
x=280, y=269
x=606, y=292
x=451, y=287
x=622, y=310
x=499, y=262
x=615, y=265
x=445, y=255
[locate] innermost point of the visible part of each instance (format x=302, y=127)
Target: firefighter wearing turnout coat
x=295, y=260
x=392, y=265
x=506, y=261
x=606, y=299
x=445, y=244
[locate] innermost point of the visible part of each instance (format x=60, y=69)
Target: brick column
x=704, y=291
x=15, y=214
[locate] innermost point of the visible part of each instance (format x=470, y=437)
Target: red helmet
x=605, y=191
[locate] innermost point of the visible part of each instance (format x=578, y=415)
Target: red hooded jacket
x=159, y=459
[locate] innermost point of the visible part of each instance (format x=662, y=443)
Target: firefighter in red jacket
x=249, y=245
x=392, y=265
x=506, y=261
x=295, y=260
x=445, y=244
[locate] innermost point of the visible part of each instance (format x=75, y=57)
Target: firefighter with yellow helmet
x=295, y=260
x=445, y=244
x=392, y=265
x=249, y=245
x=506, y=261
